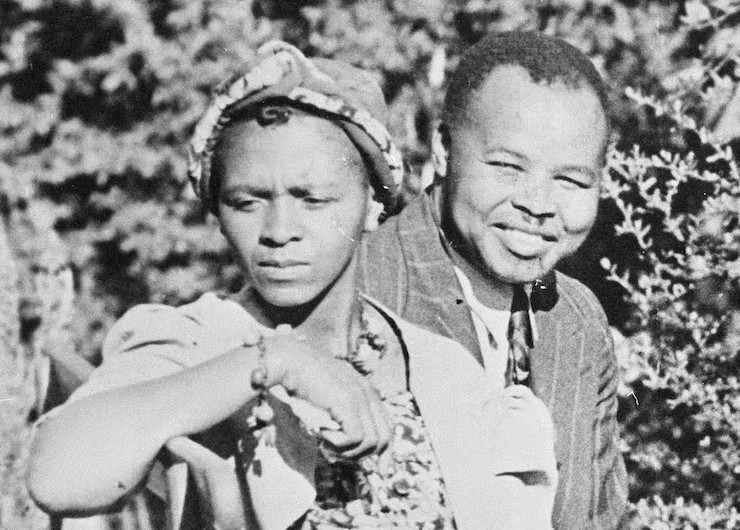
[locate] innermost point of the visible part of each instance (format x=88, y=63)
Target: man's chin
x=518, y=273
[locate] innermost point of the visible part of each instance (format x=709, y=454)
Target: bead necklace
x=369, y=348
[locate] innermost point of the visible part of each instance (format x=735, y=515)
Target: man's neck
x=489, y=291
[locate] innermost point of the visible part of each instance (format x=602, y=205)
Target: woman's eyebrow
x=249, y=189
x=265, y=192
x=306, y=190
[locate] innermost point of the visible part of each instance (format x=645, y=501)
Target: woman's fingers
x=369, y=438
x=383, y=421
x=365, y=426
x=336, y=387
x=354, y=423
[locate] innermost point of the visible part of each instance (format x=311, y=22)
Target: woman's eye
x=243, y=205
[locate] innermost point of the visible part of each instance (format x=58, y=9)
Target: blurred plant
x=17, y=398
x=680, y=209
x=657, y=515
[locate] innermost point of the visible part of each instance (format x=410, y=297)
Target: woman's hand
x=332, y=385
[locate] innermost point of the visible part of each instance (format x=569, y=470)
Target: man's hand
x=333, y=385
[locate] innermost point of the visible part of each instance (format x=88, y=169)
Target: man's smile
x=525, y=244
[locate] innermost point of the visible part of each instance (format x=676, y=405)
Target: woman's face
x=292, y=203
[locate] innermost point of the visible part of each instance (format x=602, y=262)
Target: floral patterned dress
x=407, y=493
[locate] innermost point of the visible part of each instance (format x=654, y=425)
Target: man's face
x=523, y=173
x=292, y=204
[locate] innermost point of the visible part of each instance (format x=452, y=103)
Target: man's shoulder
x=414, y=218
x=390, y=255
x=575, y=297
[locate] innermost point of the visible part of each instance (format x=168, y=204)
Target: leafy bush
x=680, y=206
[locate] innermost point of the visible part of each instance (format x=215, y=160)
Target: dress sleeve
x=148, y=342
x=152, y=341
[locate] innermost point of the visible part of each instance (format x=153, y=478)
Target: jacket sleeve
x=610, y=481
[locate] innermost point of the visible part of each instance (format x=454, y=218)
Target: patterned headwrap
x=347, y=95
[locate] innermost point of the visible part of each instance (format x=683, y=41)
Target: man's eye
x=574, y=182
x=505, y=165
x=316, y=201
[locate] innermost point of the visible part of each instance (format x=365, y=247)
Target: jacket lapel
x=435, y=299
x=456, y=403
x=558, y=367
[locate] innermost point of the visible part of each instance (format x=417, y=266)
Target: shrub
x=680, y=205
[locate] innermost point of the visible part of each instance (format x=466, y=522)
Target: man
x=518, y=158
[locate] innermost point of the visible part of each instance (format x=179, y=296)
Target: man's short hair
x=546, y=59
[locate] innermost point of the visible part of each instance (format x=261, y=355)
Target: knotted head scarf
x=332, y=89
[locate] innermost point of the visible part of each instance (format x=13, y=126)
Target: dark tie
x=520, y=340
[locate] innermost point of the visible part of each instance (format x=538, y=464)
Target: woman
x=294, y=160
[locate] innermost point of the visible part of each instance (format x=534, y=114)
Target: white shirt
x=491, y=327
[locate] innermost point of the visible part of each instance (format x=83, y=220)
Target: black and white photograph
x=369, y=264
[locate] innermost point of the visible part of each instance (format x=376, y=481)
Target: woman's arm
x=98, y=449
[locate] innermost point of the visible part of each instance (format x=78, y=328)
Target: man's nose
x=281, y=223
x=535, y=198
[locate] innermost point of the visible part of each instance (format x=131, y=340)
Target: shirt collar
x=482, y=310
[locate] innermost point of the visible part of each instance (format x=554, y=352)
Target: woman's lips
x=282, y=269
x=281, y=263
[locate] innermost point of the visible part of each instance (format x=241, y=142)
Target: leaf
x=697, y=13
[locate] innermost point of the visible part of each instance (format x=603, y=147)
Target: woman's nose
x=281, y=223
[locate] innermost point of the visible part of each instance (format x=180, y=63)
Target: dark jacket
x=574, y=370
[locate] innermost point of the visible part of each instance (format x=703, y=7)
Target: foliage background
x=97, y=100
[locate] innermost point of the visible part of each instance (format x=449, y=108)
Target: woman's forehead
x=301, y=128
x=305, y=149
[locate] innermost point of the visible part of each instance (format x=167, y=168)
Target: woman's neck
x=325, y=322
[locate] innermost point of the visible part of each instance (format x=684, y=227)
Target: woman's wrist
x=273, y=363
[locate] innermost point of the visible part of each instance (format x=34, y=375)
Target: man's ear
x=441, y=149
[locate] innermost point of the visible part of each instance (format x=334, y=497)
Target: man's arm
x=609, y=499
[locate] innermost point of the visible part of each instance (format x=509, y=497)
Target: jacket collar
x=435, y=299
x=457, y=403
